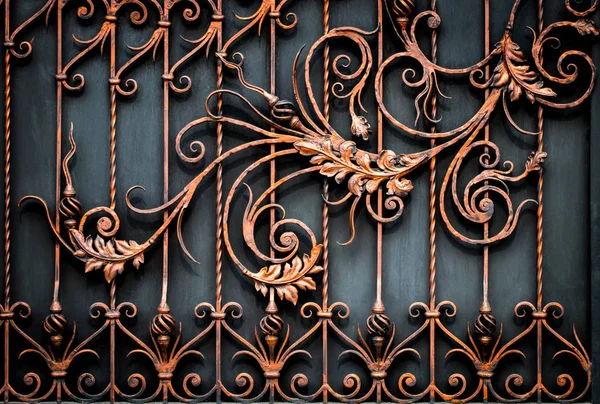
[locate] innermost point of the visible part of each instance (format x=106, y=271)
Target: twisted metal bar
x=219, y=212
x=432, y=222
x=7, y=169
x=325, y=211
x=539, y=225
x=113, y=147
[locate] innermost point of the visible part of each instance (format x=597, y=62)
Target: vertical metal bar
x=55, y=306
x=164, y=306
x=325, y=223
x=272, y=90
x=432, y=226
x=6, y=194
x=113, y=118
x=485, y=308
x=594, y=173
x=539, y=227
x=55, y=297
x=272, y=307
x=219, y=213
x=113, y=192
x=113, y=305
x=379, y=307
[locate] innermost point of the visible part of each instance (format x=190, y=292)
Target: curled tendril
x=308, y=309
x=134, y=380
x=31, y=379
x=567, y=72
x=591, y=9
x=202, y=309
x=107, y=226
x=342, y=310
x=185, y=81
x=235, y=309
x=448, y=308
x=245, y=381
x=457, y=379
x=192, y=379
x=299, y=380
x=477, y=205
x=78, y=81
x=86, y=11
x=23, y=309
x=392, y=203
x=408, y=380
x=89, y=380
x=131, y=87
x=196, y=147
x=128, y=309
x=352, y=381
x=361, y=73
x=140, y=14
x=291, y=21
x=98, y=309
x=565, y=380
x=556, y=309
x=476, y=75
x=25, y=49
x=416, y=309
x=514, y=379
x=289, y=241
x=523, y=308
x=192, y=11
x=152, y=210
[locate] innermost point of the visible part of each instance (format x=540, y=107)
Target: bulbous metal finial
x=271, y=325
x=403, y=8
x=163, y=324
x=55, y=325
x=485, y=327
x=378, y=325
x=283, y=110
x=70, y=207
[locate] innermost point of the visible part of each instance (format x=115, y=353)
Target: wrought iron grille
x=278, y=265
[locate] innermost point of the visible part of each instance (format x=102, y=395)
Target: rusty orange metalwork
x=299, y=127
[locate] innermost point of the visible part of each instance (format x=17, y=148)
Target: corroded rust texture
x=300, y=127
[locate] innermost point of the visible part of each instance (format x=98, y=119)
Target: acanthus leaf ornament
x=515, y=75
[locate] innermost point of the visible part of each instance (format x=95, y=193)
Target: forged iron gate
x=335, y=213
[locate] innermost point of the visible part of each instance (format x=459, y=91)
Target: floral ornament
x=360, y=127
x=516, y=75
x=110, y=255
x=294, y=276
